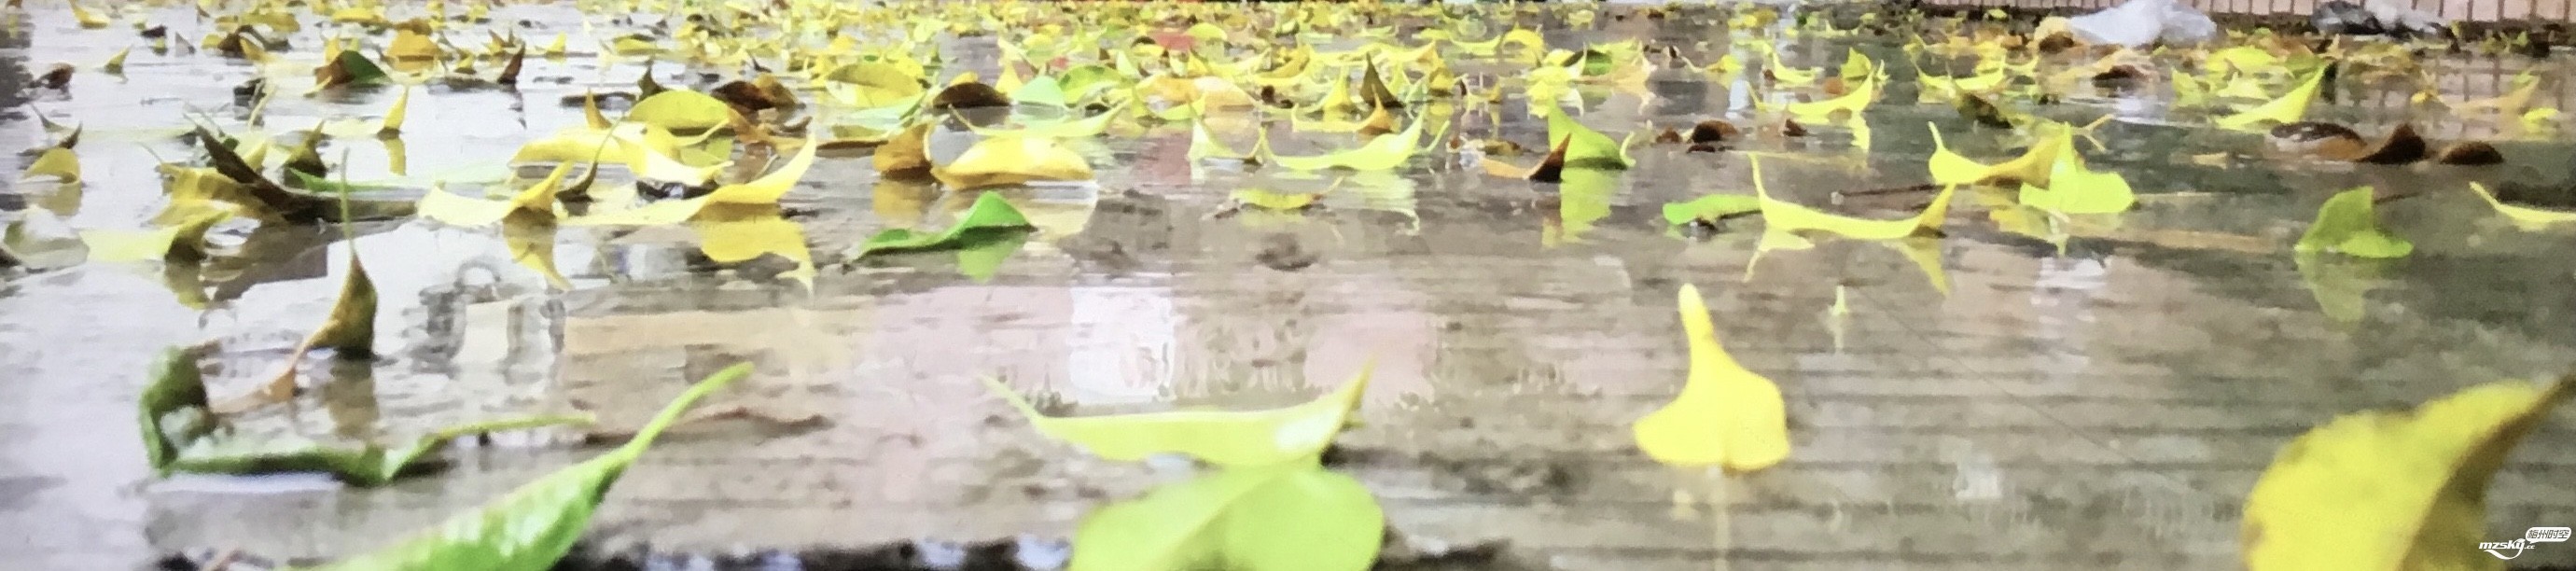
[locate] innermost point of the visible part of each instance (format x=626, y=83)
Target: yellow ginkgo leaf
x=1784, y=216
x=1851, y=102
x=183, y=241
x=634, y=46
x=56, y=162
x=411, y=45
x=681, y=111
x=1856, y=66
x=647, y=162
x=1725, y=415
x=2511, y=103
x=2032, y=167
x=1786, y=75
x=1008, y=160
x=2414, y=482
x=2073, y=189
x=769, y=187
x=531, y=241
x=2289, y=108
x=875, y=84
x=88, y=19
x=1203, y=146
x=1224, y=438
x=1273, y=200
x=1383, y=152
x=116, y=63
x=2523, y=216
x=349, y=331
x=727, y=239
x=462, y=211
x=394, y=116
x=2540, y=118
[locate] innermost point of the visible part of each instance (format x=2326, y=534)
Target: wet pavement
x=1997, y=404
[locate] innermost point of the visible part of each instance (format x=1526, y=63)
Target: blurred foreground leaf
x=534, y=525
x=2389, y=490
x=1295, y=517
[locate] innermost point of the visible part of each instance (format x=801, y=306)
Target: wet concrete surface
x=2018, y=408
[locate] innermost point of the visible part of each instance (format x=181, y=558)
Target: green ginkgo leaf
x=363, y=464
x=1383, y=152
x=535, y=525
x=2073, y=189
x=1294, y=517
x=1783, y=216
x=2347, y=225
x=1042, y=91
x=1225, y=438
x=2524, y=217
x=989, y=213
x=1585, y=148
x=1081, y=82
x=176, y=386
x=1711, y=208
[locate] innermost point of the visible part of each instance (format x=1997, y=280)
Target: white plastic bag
x=2140, y=22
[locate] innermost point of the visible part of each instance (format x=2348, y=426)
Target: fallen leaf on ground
x=1297, y=517
x=1007, y=160
x=1725, y=415
x=1784, y=216
x=1711, y=208
x=2289, y=108
x=1296, y=434
x=2525, y=217
x=989, y=213
x=2346, y=225
x=532, y=527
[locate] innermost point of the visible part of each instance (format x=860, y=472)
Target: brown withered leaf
x=1553, y=169
x=2122, y=72
x=746, y=99
x=972, y=95
x=2470, y=153
x=2317, y=139
x=906, y=156
x=1713, y=131
x=1374, y=91
x=1975, y=108
x=2056, y=43
x=272, y=201
x=57, y=78
x=510, y=72
x=1670, y=135
x=2403, y=146
x=1791, y=128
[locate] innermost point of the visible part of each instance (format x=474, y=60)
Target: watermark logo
x=2530, y=538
